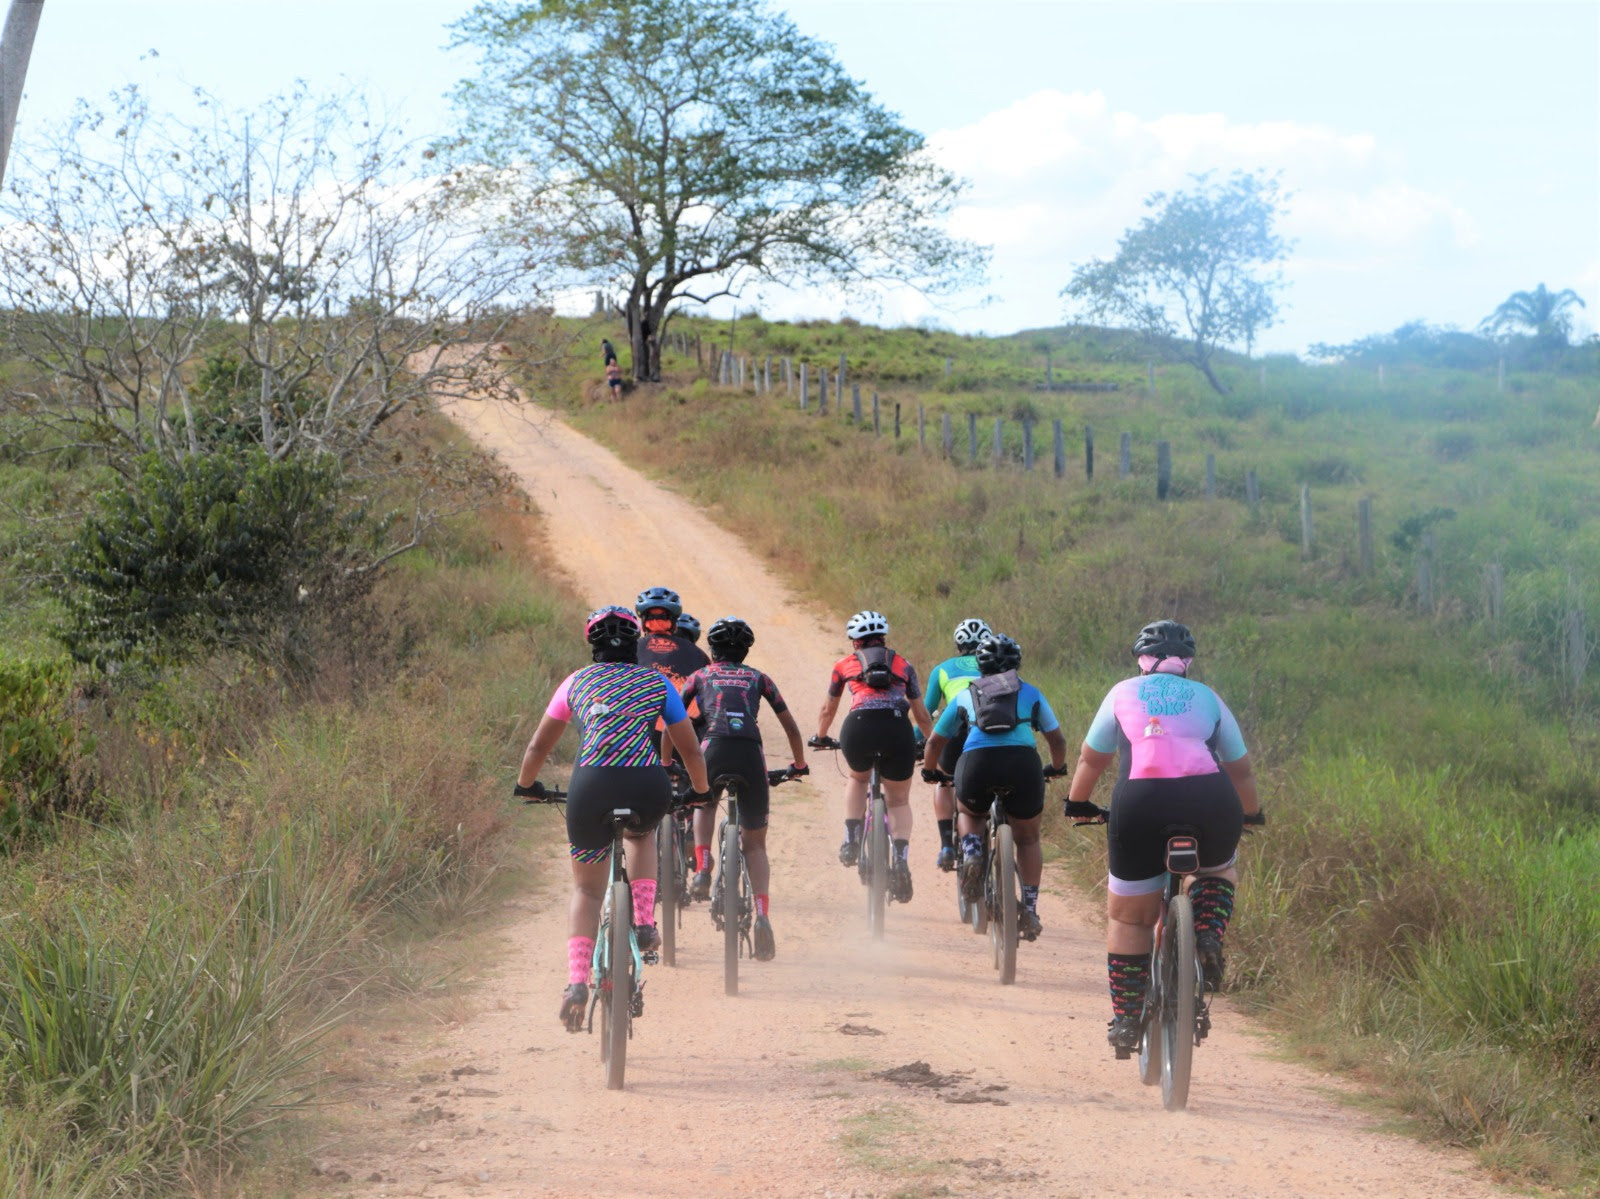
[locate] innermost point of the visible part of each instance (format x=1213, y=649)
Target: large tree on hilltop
x=1199, y=268
x=682, y=149
x=1544, y=313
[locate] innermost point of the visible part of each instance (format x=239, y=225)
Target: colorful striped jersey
x=616, y=705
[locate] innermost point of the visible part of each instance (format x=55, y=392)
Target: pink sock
x=762, y=904
x=644, y=901
x=702, y=857
x=580, y=952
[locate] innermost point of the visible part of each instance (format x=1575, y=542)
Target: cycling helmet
x=688, y=627
x=866, y=624
x=611, y=625
x=730, y=633
x=969, y=632
x=998, y=653
x=664, y=598
x=1164, y=639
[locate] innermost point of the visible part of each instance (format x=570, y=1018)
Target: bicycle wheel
x=731, y=864
x=1005, y=930
x=1177, y=1009
x=877, y=845
x=669, y=878
x=616, y=989
x=1150, y=1021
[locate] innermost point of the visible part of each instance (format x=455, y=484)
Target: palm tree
x=1546, y=313
x=16, y=45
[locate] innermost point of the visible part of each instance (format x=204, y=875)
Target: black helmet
x=997, y=653
x=664, y=598
x=969, y=632
x=730, y=633
x=688, y=627
x=1164, y=639
x=611, y=625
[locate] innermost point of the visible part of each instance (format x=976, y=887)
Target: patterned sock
x=1030, y=897
x=1130, y=979
x=901, y=848
x=762, y=904
x=702, y=857
x=580, y=952
x=1212, y=899
x=852, y=830
x=971, y=845
x=947, y=832
x=644, y=901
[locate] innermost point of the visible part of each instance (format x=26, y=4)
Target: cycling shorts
x=951, y=753
x=1015, y=766
x=594, y=792
x=879, y=737
x=1145, y=812
x=743, y=757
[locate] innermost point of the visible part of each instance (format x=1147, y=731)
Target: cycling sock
x=580, y=952
x=702, y=857
x=1130, y=979
x=947, y=832
x=901, y=848
x=852, y=830
x=644, y=901
x=762, y=904
x=1030, y=897
x=971, y=845
x=1212, y=899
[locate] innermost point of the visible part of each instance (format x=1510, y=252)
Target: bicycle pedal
x=1123, y=1054
x=650, y=957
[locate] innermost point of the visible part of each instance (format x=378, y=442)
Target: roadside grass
x=1417, y=911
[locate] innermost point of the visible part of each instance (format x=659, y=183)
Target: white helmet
x=867, y=624
x=969, y=632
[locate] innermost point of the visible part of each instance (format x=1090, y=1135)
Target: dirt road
x=768, y=1094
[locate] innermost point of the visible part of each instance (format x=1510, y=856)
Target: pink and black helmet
x=611, y=625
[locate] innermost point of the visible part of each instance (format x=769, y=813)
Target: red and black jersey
x=897, y=697
x=729, y=694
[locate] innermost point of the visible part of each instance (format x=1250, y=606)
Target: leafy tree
x=682, y=149
x=1547, y=315
x=1198, y=268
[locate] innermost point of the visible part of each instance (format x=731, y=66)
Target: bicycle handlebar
x=1086, y=813
x=823, y=743
x=543, y=795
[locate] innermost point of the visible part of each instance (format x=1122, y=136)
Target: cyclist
x=729, y=693
x=1183, y=767
x=883, y=692
x=616, y=703
x=948, y=679
x=662, y=646
x=689, y=627
x=1001, y=714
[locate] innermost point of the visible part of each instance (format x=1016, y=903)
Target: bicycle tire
x=1006, y=929
x=731, y=866
x=1178, y=1010
x=1150, y=1024
x=616, y=998
x=877, y=845
x=669, y=878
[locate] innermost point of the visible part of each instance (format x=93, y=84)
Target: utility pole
x=16, y=46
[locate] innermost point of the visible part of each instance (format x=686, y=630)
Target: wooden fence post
x=1364, y=535
x=1163, y=469
x=1252, y=492
x=998, y=423
x=855, y=402
x=1088, y=453
x=1125, y=457
x=1060, y=448
x=788, y=376
x=972, y=439
x=875, y=428
x=766, y=382
x=896, y=414
x=822, y=390
x=1494, y=592
x=949, y=439
x=838, y=385
x=1027, y=444
x=1305, y=522
x=805, y=390
x=1211, y=476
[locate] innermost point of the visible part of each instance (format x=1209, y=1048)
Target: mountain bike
x=616, y=984
x=874, y=863
x=674, y=866
x=1176, y=1015
x=732, y=898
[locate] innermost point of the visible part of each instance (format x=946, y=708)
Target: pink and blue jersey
x=1165, y=726
x=616, y=705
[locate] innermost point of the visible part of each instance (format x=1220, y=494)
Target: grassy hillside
x=1418, y=911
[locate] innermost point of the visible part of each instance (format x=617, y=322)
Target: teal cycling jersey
x=1033, y=715
x=950, y=678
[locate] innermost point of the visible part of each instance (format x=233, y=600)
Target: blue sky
x=1441, y=155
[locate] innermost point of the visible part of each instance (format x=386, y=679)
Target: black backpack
x=994, y=701
x=877, y=667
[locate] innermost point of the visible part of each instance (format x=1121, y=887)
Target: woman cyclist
x=729, y=693
x=616, y=703
x=687, y=626
x=883, y=692
x=1001, y=714
x=946, y=681
x=1184, y=768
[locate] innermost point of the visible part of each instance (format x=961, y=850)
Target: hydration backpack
x=877, y=667
x=994, y=701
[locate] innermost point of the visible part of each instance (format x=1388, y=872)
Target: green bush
x=43, y=746
x=218, y=550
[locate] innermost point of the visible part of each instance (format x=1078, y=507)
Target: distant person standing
x=608, y=352
x=614, y=379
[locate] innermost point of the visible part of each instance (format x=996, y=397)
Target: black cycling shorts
x=1145, y=812
x=951, y=753
x=594, y=792
x=1016, y=766
x=744, y=757
x=879, y=737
